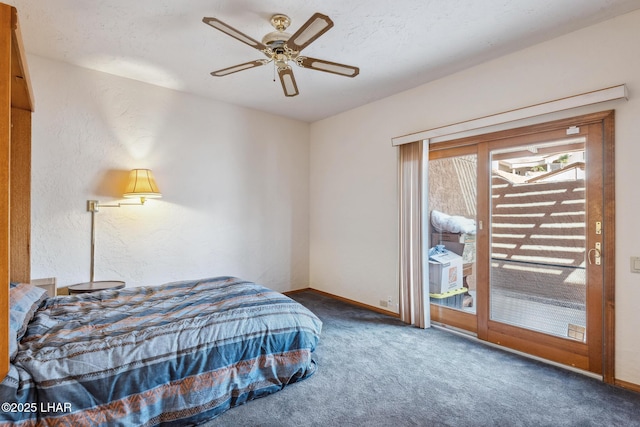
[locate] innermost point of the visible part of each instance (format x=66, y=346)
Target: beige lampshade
x=142, y=184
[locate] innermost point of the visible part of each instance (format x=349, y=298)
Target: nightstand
x=95, y=286
x=48, y=284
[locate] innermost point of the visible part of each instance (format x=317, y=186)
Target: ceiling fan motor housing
x=277, y=39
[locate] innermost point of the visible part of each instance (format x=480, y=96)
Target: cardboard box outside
x=445, y=272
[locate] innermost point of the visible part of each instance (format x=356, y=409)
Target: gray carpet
x=376, y=371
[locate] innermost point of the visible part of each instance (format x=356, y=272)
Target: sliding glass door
x=528, y=214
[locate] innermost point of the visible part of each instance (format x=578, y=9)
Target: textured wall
x=235, y=184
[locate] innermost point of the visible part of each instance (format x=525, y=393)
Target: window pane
x=537, y=274
x=453, y=209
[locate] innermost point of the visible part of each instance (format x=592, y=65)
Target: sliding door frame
x=604, y=120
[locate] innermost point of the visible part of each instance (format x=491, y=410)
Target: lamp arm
x=93, y=205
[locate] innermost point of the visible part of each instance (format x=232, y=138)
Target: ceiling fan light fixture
x=281, y=64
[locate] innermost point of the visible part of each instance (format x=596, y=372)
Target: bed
x=176, y=354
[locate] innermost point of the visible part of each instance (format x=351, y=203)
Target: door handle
x=598, y=255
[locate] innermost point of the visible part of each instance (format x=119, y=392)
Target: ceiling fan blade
x=288, y=81
x=328, y=66
x=239, y=67
x=316, y=26
x=230, y=31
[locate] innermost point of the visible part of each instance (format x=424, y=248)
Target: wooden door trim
x=595, y=296
x=544, y=348
x=609, y=239
x=455, y=318
x=483, y=254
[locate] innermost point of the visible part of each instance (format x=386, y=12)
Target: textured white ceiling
x=398, y=45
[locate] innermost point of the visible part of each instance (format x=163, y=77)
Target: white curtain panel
x=414, y=297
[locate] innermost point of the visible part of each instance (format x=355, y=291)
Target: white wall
x=353, y=166
x=235, y=184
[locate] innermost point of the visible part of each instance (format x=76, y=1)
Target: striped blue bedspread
x=177, y=354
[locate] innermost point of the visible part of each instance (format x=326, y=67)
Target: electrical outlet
x=384, y=303
x=389, y=301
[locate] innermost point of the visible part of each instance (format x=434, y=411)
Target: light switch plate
x=635, y=264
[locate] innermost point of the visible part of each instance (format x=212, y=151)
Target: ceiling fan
x=283, y=48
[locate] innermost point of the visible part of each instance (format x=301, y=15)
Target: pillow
x=24, y=300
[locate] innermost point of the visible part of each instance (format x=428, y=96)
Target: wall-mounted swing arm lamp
x=141, y=184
